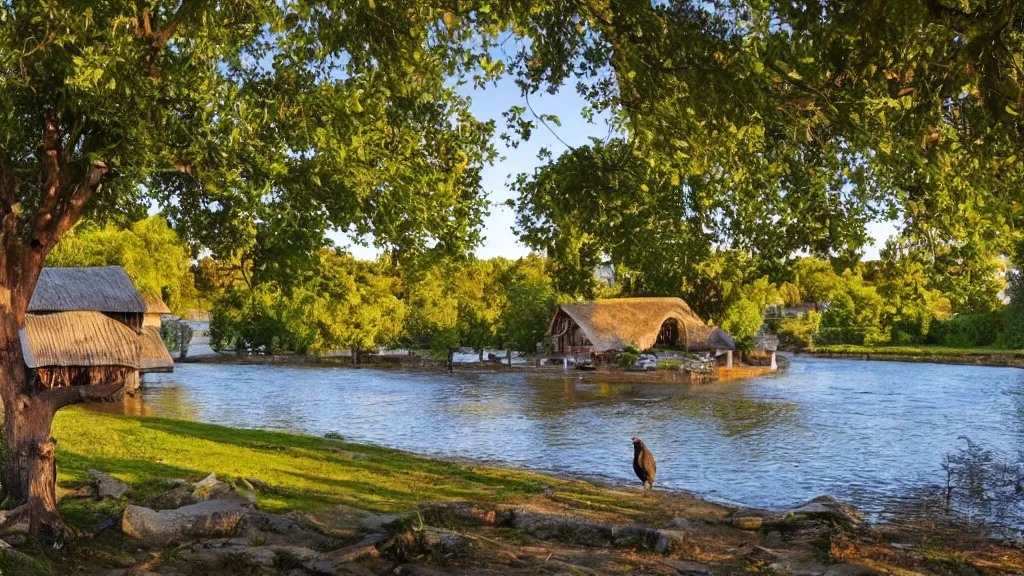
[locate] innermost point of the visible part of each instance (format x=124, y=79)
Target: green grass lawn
x=305, y=472
x=924, y=350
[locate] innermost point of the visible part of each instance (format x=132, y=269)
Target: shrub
x=797, y=333
x=628, y=356
x=967, y=330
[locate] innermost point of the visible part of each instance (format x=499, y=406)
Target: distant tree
x=477, y=286
x=156, y=259
x=530, y=302
x=743, y=320
x=433, y=318
x=815, y=278
x=342, y=303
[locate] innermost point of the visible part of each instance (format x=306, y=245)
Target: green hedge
x=967, y=330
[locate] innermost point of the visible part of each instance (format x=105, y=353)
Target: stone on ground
x=210, y=519
x=210, y=488
x=333, y=563
x=107, y=485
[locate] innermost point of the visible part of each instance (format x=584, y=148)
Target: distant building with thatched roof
x=601, y=326
x=88, y=326
x=155, y=311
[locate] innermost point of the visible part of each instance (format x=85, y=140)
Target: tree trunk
x=481, y=352
x=31, y=468
x=355, y=355
x=451, y=355
x=508, y=356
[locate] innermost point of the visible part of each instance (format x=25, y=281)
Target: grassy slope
x=306, y=473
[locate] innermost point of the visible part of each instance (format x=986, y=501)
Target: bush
x=797, y=333
x=967, y=330
x=628, y=356
x=1013, y=326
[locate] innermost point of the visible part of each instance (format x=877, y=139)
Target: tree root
x=41, y=522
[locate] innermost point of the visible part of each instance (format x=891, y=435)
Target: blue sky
x=489, y=103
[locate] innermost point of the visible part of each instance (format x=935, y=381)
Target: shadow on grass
x=368, y=459
x=305, y=472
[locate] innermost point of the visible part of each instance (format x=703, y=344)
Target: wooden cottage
x=601, y=326
x=107, y=290
x=86, y=294
x=155, y=311
x=155, y=356
x=79, y=349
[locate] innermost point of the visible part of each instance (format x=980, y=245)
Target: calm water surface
x=865, y=432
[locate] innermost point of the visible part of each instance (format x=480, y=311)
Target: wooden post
x=728, y=359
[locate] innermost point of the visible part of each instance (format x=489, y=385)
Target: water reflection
x=867, y=432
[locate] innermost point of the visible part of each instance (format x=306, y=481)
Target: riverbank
x=930, y=354
x=315, y=497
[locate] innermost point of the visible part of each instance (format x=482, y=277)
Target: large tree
x=780, y=127
x=251, y=122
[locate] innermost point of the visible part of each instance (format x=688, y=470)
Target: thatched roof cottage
x=79, y=349
x=107, y=290
x=87, y=295
x=155, y=310
x=606, y=325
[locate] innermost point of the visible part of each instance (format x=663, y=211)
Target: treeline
x=345, y=303
x=330, y=300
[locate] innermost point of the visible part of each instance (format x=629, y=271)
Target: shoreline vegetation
x=930, y=354
x=326, y=506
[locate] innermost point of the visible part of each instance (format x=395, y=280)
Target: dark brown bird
x=643, y=463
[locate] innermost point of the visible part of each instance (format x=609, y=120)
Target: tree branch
x=68, y=395
x=51, y=158
x=66, y=216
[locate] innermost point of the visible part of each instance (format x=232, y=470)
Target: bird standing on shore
x=643, y=463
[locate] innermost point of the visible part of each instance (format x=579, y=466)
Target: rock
x=637, y=537
x=210, y=488
x=376, y=522
x=851, y=570
x=825, y=508
x=210, y=519
x=762, y=554
x=353, y=569
x=748, y=522
x=180, y=495
x=233, y=556
x=218, y=556
x=448, y=513
x=564, y=529
x=417, y=570
x=257, y=526
x=687, y=568
x=107, y=485
x=443, y=541
x=672, y=541
x=774, y=539
x=332, y=563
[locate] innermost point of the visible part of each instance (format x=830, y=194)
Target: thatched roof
x=155, y=305
x=154, y=354
x=106, y=289
x=616, y=323
x=78, y=339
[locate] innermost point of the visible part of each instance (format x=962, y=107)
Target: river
x=866, y=432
